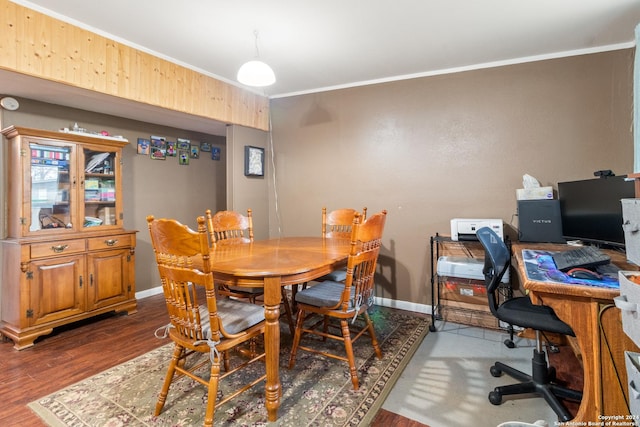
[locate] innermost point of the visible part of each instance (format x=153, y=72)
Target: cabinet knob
x=111, y=242
x=59, y=248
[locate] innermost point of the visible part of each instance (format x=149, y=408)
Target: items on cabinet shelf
x=458, y=292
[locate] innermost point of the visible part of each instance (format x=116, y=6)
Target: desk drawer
x=632, y=361
x=109, y=242
x=629, y=304
x=62, y=247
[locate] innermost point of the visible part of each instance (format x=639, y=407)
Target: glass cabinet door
x=99, y=188
x=50, y=190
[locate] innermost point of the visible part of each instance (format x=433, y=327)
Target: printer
x=465, y=229
x=464, y=267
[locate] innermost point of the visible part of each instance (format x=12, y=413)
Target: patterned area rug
x=317, y=392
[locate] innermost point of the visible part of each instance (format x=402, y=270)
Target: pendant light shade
x=256, y=73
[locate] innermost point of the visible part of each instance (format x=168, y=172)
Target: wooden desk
x=598, y=327
x=272, y=264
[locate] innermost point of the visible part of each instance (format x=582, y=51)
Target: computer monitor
x=591, y=210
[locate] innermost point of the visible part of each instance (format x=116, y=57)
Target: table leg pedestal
x=273, y=392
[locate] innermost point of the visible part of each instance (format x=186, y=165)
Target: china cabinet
x=67, y=255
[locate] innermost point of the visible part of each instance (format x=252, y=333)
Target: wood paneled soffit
x=37, y=45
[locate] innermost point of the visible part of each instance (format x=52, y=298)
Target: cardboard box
x=631, y=227
x=469, y=314
x=629, y=304
x=534, y=193
x=464, y=290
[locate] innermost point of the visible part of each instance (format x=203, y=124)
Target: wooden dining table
x=272, y=264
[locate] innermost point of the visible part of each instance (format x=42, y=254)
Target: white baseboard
x=149, y=292
x=403, y=305
x=384, y=302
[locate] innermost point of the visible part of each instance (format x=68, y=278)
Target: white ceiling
x=336, y=43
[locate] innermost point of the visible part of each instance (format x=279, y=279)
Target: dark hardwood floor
x=84, y=349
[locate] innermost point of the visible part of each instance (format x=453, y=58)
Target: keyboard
x=583, y=256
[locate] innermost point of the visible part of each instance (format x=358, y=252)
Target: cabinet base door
x=57, y=289
x=108, y=278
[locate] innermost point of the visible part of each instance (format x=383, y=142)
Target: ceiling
x=335, y=43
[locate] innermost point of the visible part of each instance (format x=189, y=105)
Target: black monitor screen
x=591, y=209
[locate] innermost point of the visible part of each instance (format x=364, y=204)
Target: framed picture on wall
x=158, y=148
x=205, y=147
x=143, y=146
x=253, y=161
x=171, y=149
x=215, y=153
x=183, y=157
x=195, y=151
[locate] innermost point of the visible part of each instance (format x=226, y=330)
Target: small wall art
x=184, y=144
x=172, y=151
x=215, y=153
x=205, y=147
x=183, y=157
x=144, y=146
x=195, y=151
x=253, y=161
x=158, y=148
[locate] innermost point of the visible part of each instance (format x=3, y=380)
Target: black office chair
x=520, y=311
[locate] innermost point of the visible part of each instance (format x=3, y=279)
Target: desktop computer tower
x=540, y=221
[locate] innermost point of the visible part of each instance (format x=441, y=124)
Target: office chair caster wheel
x=509, y=343
x=495, y=398
x=495, y=372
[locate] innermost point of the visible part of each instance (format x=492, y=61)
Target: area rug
x=317, y=392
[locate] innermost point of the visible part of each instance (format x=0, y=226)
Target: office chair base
x=540, y=383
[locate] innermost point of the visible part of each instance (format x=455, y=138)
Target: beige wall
x=248, y=192
x=159, y=187
x=456, y=145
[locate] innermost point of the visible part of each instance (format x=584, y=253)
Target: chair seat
x=324, y=294
x=522, y=312
x=236, y=316
x=253, y=291
x=335, y=276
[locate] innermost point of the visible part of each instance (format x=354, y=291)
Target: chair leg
x=212, y=392
x=296, y=339
x=288, y=310
x=372, y=334
x=162, y=397
x=226, y=361
x=294, y=305
x=346, y=334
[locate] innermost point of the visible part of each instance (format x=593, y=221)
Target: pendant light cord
x=255, y=34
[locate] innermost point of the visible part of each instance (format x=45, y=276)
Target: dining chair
x=345, y=301
x=335, y=224
x=233, y=228
x=214, y=327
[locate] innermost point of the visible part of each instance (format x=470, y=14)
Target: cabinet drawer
x=62, y=247
x=109, y=242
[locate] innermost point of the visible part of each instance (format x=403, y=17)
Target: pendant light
x=256, y=73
